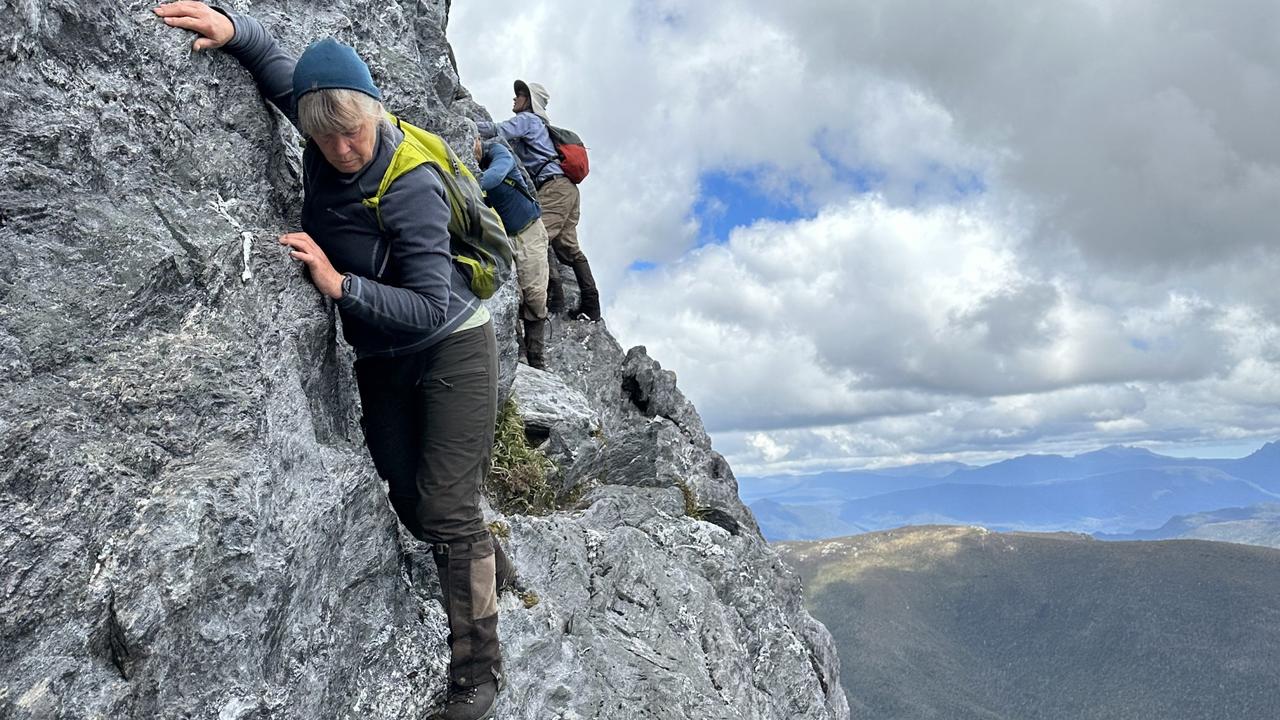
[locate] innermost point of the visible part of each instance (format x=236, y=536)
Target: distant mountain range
x=966, y=624
x=796, y=522
x=1115, y=490
x=1253, y=525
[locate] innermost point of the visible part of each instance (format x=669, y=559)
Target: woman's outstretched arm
x=245, y=39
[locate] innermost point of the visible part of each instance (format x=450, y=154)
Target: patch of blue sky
x=932, y=181
x=734, y=199
x=729, y=199
x=939, y=182
x=641, y=266
x=861, y=178
x=1139, y=344
x=649, y=16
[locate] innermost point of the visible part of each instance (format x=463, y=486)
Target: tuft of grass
x=517, y=481
x=500, y=529
x=691, y=506
x=529, y=598
x=572, y=499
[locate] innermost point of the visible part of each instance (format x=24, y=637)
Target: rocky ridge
x=189, y=522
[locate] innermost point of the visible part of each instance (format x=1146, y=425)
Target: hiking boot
x=475, y=702
x=555, y=297
x=504, y=569
x=589, y=304
x=555, y=293
x=535, y=343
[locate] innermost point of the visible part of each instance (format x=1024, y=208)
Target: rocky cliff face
x=190, y=525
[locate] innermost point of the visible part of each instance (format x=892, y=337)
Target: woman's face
x=350, y=151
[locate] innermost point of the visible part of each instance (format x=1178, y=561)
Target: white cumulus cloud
x=1017, y=226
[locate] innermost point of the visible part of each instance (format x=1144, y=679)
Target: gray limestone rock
x=190, y=524
x=546, y=404
x=561, y=422
x=646, y=613
x=651, y=434
x=505, y=308
x=654, y=392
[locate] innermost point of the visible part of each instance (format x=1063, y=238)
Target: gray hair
x=336, y=110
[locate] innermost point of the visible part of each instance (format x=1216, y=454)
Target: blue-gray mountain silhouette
x=1112, y=490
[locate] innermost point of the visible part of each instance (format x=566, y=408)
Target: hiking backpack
x=570, y=152
x=477, y=240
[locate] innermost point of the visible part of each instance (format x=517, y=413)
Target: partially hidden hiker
x=527, y=132
x=506, y=191
x=426, y=356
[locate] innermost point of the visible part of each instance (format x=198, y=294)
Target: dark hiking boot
x=589, y=304
x=535, y=343
x=555, y=297
x=504, y=569
x=469, y=703
x=555, y=293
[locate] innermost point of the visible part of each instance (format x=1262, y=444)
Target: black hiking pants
x=428, y=422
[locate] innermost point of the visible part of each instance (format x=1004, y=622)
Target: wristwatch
x=346, y=285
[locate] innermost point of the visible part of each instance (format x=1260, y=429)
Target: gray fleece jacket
x=406, y=293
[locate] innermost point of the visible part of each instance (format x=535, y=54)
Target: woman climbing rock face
x=426, y=355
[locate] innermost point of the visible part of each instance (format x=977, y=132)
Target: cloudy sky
x=871, y=232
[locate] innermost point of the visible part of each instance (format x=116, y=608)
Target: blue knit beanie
x=330, y=64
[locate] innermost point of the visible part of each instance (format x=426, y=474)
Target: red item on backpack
x=572, y=153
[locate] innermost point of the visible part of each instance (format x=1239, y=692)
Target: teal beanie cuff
x=328, y=64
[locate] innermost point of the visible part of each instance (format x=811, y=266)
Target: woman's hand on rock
x=214, y=28
x=326, y=279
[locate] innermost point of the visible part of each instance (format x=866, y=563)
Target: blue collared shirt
x=528, y=136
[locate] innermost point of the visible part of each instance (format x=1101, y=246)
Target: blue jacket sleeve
x=260, y=54
x=415, y=216
x=501, y=163
x=517, y=128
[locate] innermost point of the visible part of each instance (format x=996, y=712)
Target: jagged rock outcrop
x=190, y=525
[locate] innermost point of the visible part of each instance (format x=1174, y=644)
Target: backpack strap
x=523, y=190
x=408, y=155
x=556, y=157
x=414, y=150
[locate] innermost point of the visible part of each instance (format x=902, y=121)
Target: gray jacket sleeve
x=260, y=54
x=415, y=216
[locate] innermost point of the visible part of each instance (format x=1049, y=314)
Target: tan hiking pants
x=531, y=268
x=560, y=206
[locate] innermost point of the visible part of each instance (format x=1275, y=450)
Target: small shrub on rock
x=517, y=482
